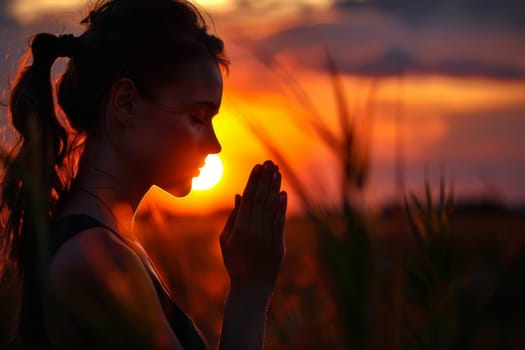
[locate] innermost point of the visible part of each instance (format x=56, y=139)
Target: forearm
x=244, y=319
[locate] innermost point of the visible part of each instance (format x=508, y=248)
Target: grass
x=344, y=251
x=306, y=311
x=425, y=288
x=420, y=277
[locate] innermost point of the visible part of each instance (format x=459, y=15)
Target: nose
x=213, y=146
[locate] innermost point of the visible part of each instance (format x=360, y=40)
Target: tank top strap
x=188, y=334
x=67, y=227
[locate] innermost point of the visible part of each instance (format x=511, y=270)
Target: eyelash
x=197, y=120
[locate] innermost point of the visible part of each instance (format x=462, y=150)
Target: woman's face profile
x=174, y=130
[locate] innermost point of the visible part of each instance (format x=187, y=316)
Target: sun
x=210, y=173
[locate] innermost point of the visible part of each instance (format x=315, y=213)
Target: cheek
x=179, y=146
x=177, y=150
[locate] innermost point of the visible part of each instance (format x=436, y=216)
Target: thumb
x=227, y=232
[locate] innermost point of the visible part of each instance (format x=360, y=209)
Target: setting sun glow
x=210, y=173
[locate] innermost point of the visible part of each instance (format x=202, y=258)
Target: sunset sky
x=452, y=73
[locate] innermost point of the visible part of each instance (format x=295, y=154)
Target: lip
x=198, y=168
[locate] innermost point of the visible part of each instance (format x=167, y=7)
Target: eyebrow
x=209, y=105
x=212, y=107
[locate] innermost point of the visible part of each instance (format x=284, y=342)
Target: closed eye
x=197, y=120
x=203, y=110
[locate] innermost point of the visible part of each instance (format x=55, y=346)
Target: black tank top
x=31, y=321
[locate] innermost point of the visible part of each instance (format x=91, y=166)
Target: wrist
x=245, y=317
x=250, y=293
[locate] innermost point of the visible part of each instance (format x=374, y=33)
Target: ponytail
x=32, y=182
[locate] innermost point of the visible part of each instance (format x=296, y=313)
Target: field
x=307, y=311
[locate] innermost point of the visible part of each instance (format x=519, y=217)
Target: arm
x=244, y=319
x=253, y=248
x=101, y=286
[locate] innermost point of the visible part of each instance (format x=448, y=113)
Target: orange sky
x=462, y=106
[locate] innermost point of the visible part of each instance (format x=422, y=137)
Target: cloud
x=270, y=9
x=466, y=68
x=507, y=13
x=367, y=42
x=396, y=61
x=8, y=28
x=6, y=21
x=493, y=136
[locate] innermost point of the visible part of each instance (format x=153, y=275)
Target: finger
x=246, y=203
x=280, y=218
x=238, y=199
x=227, y=232
x=260, y=199
x=251, y=185
x=272, y=203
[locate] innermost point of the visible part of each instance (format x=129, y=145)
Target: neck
x=102, y=204
x=105, y=189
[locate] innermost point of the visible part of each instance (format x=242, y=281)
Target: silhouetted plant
x=344, y=250
x=431, y=283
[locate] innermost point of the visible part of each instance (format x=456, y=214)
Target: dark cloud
x=495, y=135
x=268, y=7
x=418, y=12
x=8, y=30
x=396, y=61
x=481, y=152
x=6, y=20
x=371, y=43
x=312, y=35
x=466, y=68
x=349, y=47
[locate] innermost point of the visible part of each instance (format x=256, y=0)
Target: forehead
x=197, y=82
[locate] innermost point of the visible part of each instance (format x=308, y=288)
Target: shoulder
x=96, y=263
x=102, y=284
x=92, y=250
x=94, y=269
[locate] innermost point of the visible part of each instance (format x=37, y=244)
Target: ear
x=122, y=100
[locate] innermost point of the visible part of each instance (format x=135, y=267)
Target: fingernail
x=257, y=168
x=237, y=200
x=267, y=165
x=276, y=176
x=282, y=198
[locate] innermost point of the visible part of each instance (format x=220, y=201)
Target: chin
x=180, y=193
x=177, y=190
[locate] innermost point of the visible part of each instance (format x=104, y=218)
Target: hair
x=148, y=41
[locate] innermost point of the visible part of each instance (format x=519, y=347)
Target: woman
x=139, y=93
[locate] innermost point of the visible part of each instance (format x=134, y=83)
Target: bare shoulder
x=100, y=284
x=92, y=251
